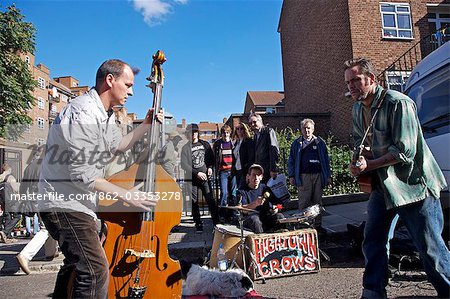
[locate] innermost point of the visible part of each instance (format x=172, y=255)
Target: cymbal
x=239, y=208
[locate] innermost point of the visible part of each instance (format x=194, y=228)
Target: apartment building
x=317, y=36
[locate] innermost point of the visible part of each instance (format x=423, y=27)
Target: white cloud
x=154, y=11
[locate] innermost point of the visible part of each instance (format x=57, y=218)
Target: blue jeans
x=35, y=224
x=224, y=179
x=424, y=221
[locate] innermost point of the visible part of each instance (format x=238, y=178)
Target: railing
x=406, y=62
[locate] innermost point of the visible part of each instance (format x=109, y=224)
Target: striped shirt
x=226, y=156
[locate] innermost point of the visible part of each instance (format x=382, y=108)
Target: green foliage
x=340, y=156
x=285, y=138
x=16, y=80
x=341, y=180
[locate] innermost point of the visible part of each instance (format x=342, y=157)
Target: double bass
x=136, y=244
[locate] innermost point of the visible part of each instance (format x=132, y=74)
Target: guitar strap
x=361, y=146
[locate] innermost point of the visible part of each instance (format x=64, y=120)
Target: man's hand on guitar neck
x=358, y=166
x=364, y=165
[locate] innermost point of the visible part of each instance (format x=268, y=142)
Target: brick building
x=73, y=84
x=264, y=102
x=317, y=37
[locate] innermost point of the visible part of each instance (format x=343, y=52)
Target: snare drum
x=229, y=236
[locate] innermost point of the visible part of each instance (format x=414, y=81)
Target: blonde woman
x=243, y=152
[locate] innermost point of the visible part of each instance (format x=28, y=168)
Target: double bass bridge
x=140, y=254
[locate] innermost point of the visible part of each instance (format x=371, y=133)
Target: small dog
x=203, y=281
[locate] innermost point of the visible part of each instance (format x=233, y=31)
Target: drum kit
x=233, y=238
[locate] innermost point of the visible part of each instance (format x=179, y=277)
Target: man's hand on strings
x=140, y=199
x=149, y=116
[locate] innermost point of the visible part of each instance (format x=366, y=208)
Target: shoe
x=199, y=228
x=3, y=237
x=50, y=258
x=23, y=263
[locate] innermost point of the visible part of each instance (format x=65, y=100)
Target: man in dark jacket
x=197, y=160
x=266, y=146
x=309, y=167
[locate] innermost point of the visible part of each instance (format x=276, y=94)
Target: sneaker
x=199, y=228
x=4, y=238
x=23, y=263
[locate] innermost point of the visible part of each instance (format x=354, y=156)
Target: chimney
x=224, y=120
x=183, y=123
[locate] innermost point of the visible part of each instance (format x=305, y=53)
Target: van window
x=432, y=97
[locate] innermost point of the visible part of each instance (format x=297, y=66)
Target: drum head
x=231, y=230
x=312, y=211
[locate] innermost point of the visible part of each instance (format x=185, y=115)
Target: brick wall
x=366, y=33
x=317, y=37
x=315, y=40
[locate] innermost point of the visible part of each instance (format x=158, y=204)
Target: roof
x=266, y=98
x=60, y=86
x=207, y=126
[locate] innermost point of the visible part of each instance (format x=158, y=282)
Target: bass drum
x=229, y=236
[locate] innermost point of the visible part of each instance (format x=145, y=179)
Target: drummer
x=257, y=196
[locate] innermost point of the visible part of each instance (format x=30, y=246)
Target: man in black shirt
x=257, y=196
x=197, y=160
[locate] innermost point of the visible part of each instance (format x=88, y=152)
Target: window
x=41, y=122
x=41, y=103
x=270, y=110
x=53, y=109
x=63, y=97
x=41, y=83
x=396, y=21
x=396, y=80
x=40, y=141
x=27, y=128
x=27, y=60
x=439, y=24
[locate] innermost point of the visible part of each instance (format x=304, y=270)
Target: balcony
x=54, y=99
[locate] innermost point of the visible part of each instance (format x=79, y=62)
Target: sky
x=216, y=50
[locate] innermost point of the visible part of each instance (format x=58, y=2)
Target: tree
x=16, y=81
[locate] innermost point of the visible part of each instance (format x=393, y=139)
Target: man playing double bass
x=82, y=140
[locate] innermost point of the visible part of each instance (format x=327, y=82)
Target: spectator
x=197, y=160
x=266, y=146
x=309, y=167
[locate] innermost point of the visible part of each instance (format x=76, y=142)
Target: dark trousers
x=85, y=259
x=11, y=220
x=206, y=189
x=263, y=223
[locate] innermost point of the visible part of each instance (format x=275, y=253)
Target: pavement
x=185, y=243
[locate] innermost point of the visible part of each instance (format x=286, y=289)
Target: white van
x=429, y=86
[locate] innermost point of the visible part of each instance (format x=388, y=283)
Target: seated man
x=257, y=196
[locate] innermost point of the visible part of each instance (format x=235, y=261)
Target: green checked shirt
x=396, y=130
